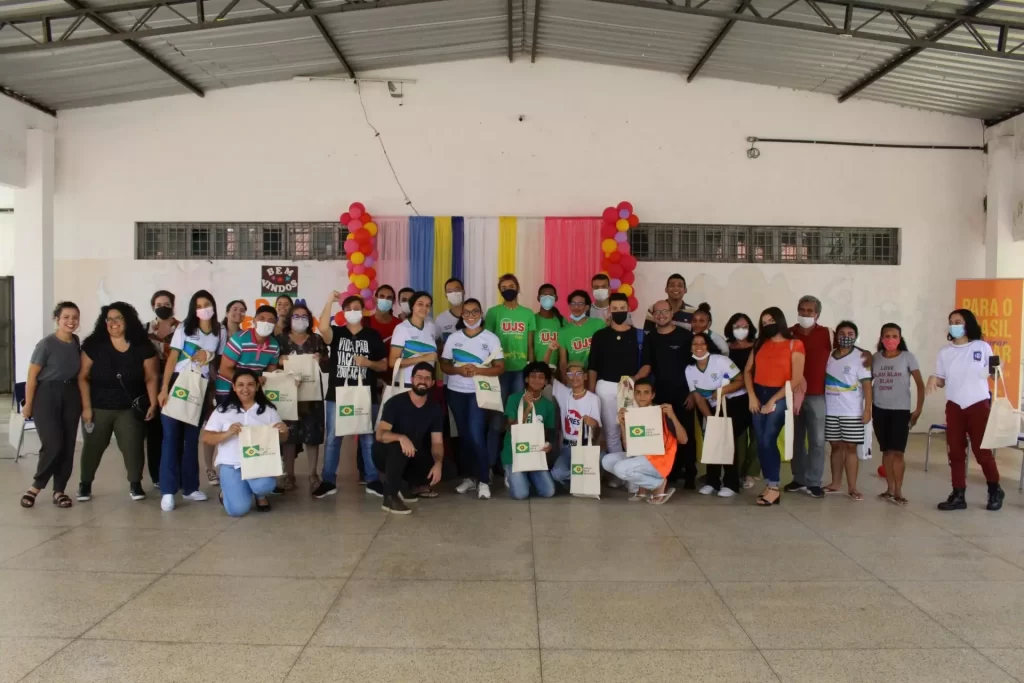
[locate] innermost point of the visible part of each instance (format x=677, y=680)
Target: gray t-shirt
x=891, y=380
x=59, y=361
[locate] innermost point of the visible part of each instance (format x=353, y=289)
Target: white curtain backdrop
x=481, y=260
x=530, y=259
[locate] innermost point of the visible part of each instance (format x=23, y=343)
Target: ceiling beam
x=510, y=31
x=1013, y=113
x=536, y=26
x=901, y=59
x=27, y=101
x=740, y=9
x=318, y=22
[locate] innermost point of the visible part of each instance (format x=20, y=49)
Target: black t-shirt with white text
x=415, y=423
x=344, y=348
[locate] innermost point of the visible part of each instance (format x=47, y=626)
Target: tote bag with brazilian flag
x=528, y=443
x=392, y=389
x=719, y=445
x=185, y=400
x=261, y=452
x=306, y=370
x=644, y=432
x=353, y=408
x=488, y=389
x=281, y=388
x=585, y=468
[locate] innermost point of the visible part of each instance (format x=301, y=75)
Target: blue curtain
x=421, y=253
x=458, y=242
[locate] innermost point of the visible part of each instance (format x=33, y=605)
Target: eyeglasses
x=577, y=304
x=296, y=318
x=662, y=311
x=471, y=314
x=574, y=373
x=111, y=321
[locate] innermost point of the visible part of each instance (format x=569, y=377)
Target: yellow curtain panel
x=506, y=245
x=442, y=261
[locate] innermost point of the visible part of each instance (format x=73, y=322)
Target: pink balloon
x=369, y=261
x=373, y=285
x=351, y=247
x=615, y=284
x=375, y=255
x=366, y=293
x=358, y=270
x=623, y=248
x=352, y=290
x=371, y=304
x=357, y=209
x=620, y=236
x=354, y=225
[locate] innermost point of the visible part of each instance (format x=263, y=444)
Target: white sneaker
x=484, y=492
x=726, y=492
x=466, y=486
x=706, y=490
x=167, y=502
x=197, y=496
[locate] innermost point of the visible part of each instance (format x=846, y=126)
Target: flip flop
x=898, y=501
x=660, y=498
x=885, y=495
x=829, y=490
x=856, y=496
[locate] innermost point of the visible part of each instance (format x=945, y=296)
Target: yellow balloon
x=357, y=258
x=622, y=225
x=371, y=228
x=361, y=281
x=609, y=245
x=626, y=289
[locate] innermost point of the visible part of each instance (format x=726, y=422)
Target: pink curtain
x=572, y=254
x=393, y=245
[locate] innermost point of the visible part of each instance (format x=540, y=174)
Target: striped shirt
x=247, y=354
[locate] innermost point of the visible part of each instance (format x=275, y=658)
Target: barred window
x=239, y=241
x=765, y=244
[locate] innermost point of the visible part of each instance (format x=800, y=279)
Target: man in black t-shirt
x=614, y=354
x=409, y=443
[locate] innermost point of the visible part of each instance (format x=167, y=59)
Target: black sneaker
x=84, y=492
x=793, y=487
x=135, y=491
x=325, y=489
x=395, y=506
x=995, y=497
x=375, y=488
x=815, y=492
x=956, y=501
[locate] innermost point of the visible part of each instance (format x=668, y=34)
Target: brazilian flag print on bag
x=185, y=400
x=261, y=452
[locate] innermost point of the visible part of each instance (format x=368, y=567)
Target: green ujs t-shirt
x=543, y=408
x=575, y=339
x=547, y=332
x=514, y=326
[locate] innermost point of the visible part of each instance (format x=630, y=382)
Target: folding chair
x=18, y=440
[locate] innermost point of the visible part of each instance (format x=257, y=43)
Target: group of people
x=578, y=375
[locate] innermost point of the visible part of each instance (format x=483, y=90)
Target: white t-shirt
x=445, y=325
x=414, y=341
x=573, y=410
x=844, y=394
x=188, y=346
x=462, y=350
x=719, y=372
x=230, y=452
x=965, y=369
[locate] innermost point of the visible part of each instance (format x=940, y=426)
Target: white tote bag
x=390, y=390
x=585, y=469
x=528, y=443
x=488, y=390
x=281, y=390
x=1003, y=426
x=624, y=394
x=865, y=450
x=788, y=428
x=353, y=408
x=305, y=368
x=185, y=400
x=261, y=452
x=644, y=433
x=719, y=445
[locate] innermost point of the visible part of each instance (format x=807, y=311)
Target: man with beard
x=409, y=445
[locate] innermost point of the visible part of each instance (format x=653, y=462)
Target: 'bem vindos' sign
x=278, y=280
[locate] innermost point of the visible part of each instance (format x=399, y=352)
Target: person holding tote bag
x=536, y=408
x=777, y=359
x=245, y=405
x=465, y=354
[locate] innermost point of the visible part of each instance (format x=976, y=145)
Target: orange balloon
x=609, y=245
x=622, y=225
x=357, y=257
x=624, y=289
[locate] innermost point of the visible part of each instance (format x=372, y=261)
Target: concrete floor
x=561, y=590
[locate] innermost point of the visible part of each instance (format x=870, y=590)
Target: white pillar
x=1004, y=257
x=33, y=242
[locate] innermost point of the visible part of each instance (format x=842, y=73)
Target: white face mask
x=404, y=307
x=702, y=358
x=353, y=317
x=806, y=323
x=264, y=328
x=740, y=333
x=454, y=298
x=300, y=324
x=600, y=295
x=204, y=313
x=472, y=326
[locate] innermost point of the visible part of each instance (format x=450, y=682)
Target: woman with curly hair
x=117, y=380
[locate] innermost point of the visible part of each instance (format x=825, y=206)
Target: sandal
x=641, y=494
x=899, y=500
x=61, y=500
x=212, y=477
x=660, y=498
x=829, y=489
x=855, y=495
x=425, y=494
x=763, y=501
x=29, y=499
x=885, y=495
x=262, y=508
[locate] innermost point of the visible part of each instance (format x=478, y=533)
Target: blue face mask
x=547, y=302
x=384, y=305
x=956, y=331
x=577, y=318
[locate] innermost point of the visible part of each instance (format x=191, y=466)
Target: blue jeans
x=636, y=470
x=511, y=383
x=471, y=420
x=173, y=477
x=238, y=493
x=766, y=432
x=560, y=471
x=332, y=448
x=519, y=484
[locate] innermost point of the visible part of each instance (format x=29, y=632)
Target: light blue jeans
x=238, y=493
x=560, y=471
x=332, y=449
x=512, y=382
x=519, y=483
x=636, y=470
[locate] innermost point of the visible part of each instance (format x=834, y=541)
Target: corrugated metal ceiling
x=582, y=30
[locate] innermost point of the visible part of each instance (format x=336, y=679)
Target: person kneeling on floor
x=245, y=405
x=409, y=446
x=649, y=472
x=536, y=408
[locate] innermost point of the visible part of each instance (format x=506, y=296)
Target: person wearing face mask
x=664, y=357
x=893, y=369
x=53, y=401
x=577, y=333
x=194, y=346
x=547, y=323
x=409, y=445
x=383, y=319
x=741, y=334
x=614, y=354
x=847, y=408
x=675, y=289
x=404, y=305
x=962, y=368
x=254, y=349
x=283, y=305
x=308, y=430
x=448, y=321
x=357, y=353
x=465, y=356
x=776, y=358
x=600, y=286
x=160, y=331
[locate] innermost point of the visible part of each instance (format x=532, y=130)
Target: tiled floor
x=702, y=589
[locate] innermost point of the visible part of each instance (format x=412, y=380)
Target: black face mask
x=619, y=317
x=164, y=312
x=509, y=294
x=769, y=331
x=420, y=389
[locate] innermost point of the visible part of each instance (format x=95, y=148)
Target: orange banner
x=997, y=305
